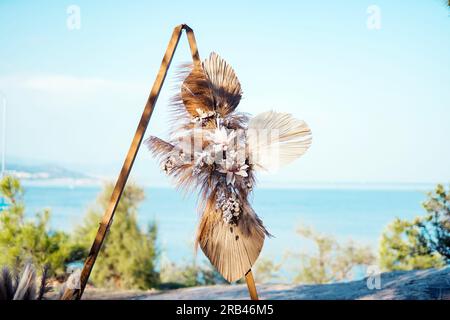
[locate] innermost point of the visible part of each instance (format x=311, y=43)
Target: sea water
x=345, y=213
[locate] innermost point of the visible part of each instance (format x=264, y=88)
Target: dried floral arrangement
x=217, y=150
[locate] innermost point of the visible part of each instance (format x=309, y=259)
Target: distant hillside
x=43, y=171
x=40, y=173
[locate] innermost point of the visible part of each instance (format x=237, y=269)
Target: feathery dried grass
x=24, y=286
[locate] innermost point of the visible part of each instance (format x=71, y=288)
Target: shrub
x=421, y=243
x=128, y=257
x=23, y=240
x=332, y=261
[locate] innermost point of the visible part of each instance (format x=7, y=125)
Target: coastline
x=430, y=284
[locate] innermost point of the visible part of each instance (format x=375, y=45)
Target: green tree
x=128, y=256
x=189, y=274
x=32, y=241
x=332, y=261
x=435, y=226
x=401, y=248
x=422, y=243
x=266, y=270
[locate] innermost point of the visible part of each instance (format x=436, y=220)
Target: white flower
x=221, y=138
x=234, y=165
x=204, y=157
x=201, y=159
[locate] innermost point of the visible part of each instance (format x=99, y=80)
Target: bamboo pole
x=251, y=285
x=75, y=294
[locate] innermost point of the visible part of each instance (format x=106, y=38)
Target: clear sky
x=377, y=100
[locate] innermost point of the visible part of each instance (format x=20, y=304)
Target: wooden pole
x=251, y=285
x=75, y=294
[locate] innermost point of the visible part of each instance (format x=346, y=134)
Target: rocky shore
x=398, y=285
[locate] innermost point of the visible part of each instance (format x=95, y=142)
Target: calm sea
x=359, y=214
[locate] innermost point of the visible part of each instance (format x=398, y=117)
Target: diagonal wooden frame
x=107, y=219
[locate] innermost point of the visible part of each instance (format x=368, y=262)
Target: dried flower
x=221, y=139
x=234, y=165
x=171, y=162
x=202, y=116
x=230, y=207
x=203, y=158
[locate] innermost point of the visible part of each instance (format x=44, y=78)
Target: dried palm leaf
x=158, y=146
x=232, y=249
x=276, y=139
x=224, y=84
x=196, y=93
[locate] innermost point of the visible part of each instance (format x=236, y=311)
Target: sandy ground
x=399, y=285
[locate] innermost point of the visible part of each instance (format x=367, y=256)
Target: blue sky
x=377, y=101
